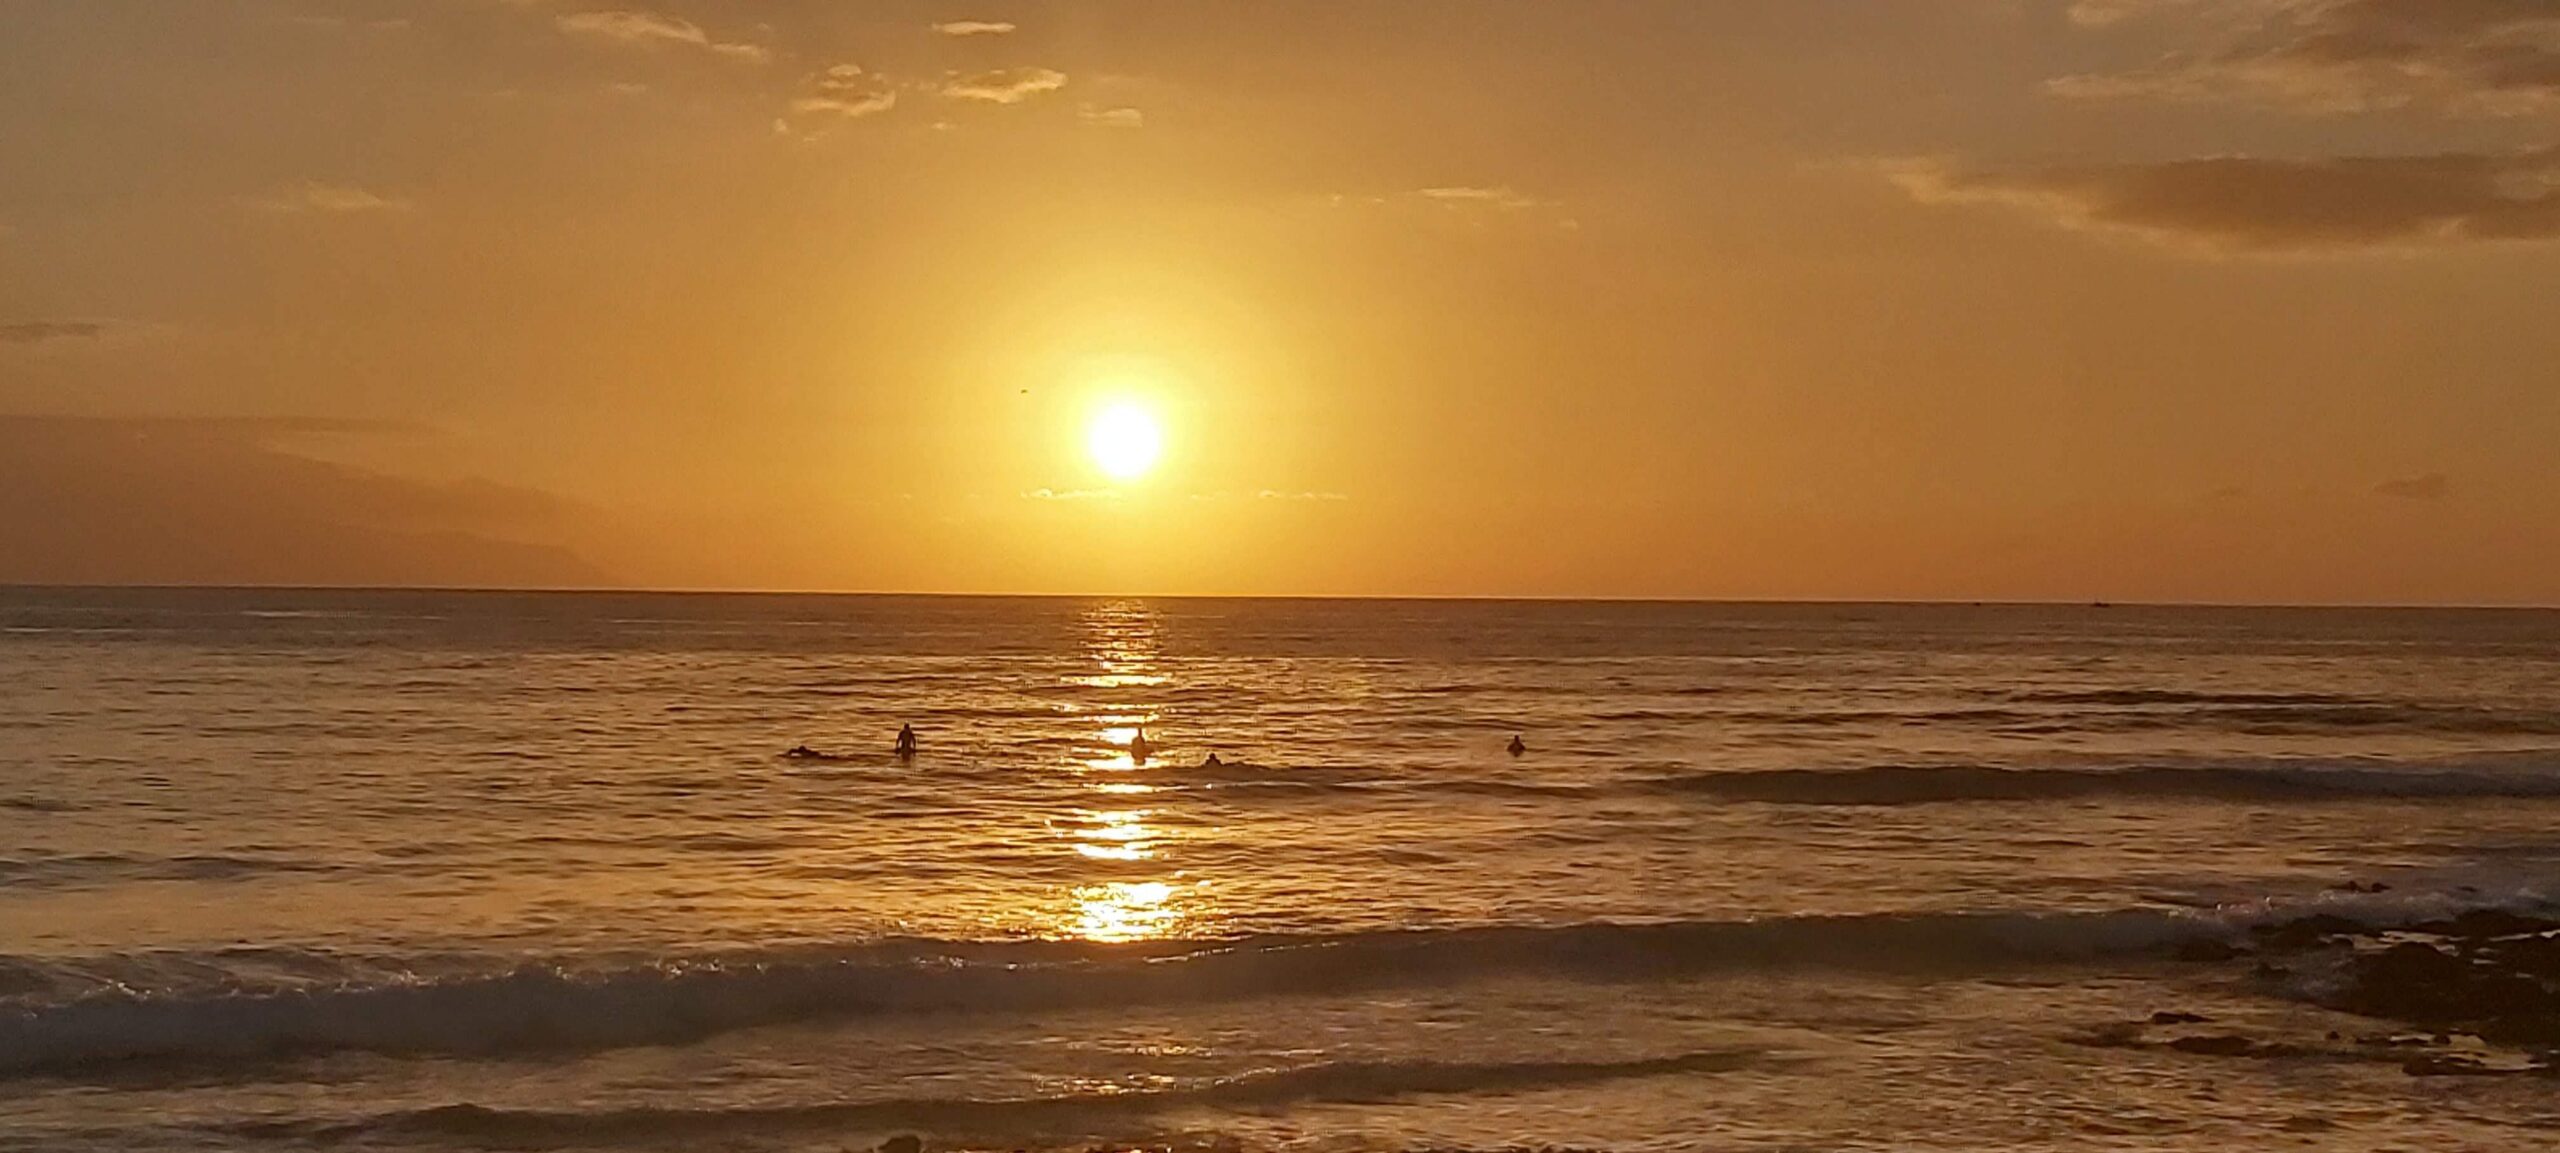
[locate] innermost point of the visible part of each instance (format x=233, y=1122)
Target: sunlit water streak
x=285, y=867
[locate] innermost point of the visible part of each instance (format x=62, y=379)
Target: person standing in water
x=1516, y=747
x=1139, y=749
x=906, y=742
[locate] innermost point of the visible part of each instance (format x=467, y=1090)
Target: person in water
x=1516, y=747
x=1139, y=749
x=1213, y=762
x=906, y=741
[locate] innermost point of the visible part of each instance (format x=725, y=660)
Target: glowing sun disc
x=1124, y=441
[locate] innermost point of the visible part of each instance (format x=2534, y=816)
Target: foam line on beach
x=1331, y=1081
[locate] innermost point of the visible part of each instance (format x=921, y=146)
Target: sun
x=1125, y=441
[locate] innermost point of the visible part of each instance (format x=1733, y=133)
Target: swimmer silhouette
x=1515, y=747
x=1212, y=762
x=1139, y=749
x=906, y=742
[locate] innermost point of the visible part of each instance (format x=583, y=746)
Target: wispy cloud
x=344, y=24
x=42, y=331
x=2432, y=486
x=1111, y=117
x=974, y=27
x=2249, y=204
x=1005, y=85
x=846, y=91
x=327, y=198
x=1309, y=496
x=2498, y=57
x=1502, y=197
x=642, y=29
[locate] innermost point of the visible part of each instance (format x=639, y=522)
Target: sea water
x=298, y=869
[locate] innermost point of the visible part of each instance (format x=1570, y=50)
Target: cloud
x=2432, y=486
x=41, y=331
x=1498, y=196
x=641, y=29
x=974, y=27
x=2248, y=204
x=343, y=24
x=2101, y=13
x=170, y=501
x=1112, y=117
x=2497, y=57
x=845, y=91
x=331, y=198
x=1273, y=494
x=1071, y=494
x=1005, y=85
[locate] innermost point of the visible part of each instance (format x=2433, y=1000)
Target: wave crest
x=550, y=1009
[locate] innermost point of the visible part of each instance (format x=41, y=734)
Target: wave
x=2265, y=783
x=1333, y=1081
x=75, y=869
x=559, y=1008
x=2135, y=711
x=190, y=1010
x=2533, y=776
x=2135, y=698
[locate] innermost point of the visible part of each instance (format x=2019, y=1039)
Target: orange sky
x=2241, y=300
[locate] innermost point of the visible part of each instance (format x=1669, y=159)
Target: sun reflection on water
x=1127, y=911
x=1116, y=835
x=1120, y=684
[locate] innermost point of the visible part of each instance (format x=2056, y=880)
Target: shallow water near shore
x=292, y=869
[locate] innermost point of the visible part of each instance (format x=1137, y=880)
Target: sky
x=2174, y=300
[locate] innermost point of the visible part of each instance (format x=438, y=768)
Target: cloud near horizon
x=651, y=28
x=974, y=27
x=179, y=501
x=2241, y=204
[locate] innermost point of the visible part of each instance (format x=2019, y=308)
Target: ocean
x=285, y=870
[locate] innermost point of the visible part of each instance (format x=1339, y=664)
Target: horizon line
x=1459, y=598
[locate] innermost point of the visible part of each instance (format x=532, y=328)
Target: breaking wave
x=552, y=1008
x=74, y=1017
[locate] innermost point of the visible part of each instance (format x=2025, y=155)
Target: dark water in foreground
x=286, y=870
